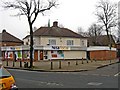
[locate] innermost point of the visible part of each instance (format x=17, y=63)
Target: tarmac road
x=106, y=77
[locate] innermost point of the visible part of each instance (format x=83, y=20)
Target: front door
x=41, y=55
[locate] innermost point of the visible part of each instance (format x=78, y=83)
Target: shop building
x=44, y=52
x=50, y=43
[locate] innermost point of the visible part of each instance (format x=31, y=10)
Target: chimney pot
x=55, y=24
x=3, y=31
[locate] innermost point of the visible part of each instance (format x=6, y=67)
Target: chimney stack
x=55, y=24
x=3, y=31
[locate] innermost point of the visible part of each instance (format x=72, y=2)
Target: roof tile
x=7, y=37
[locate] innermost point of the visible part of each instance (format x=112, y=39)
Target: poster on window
x=10, y=55
x=18, y=54
x=57, y=54
x=6, y=55
x=26, y=55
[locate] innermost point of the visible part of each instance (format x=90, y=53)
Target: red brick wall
x=103, y=55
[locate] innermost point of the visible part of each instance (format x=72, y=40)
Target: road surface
x=106, y=77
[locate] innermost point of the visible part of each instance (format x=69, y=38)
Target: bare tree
x=106, y=13
x=31, y=9
x=118, y=32
x=82, y=32
x=95, y=30
x=118, y=29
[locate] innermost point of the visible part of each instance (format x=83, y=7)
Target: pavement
x=60, y=65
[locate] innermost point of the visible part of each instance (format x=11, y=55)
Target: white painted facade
x=77, y=49
x=44, y=40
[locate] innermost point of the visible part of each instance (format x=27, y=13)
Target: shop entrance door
x=41, y=55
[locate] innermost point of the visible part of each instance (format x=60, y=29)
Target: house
x=52, y=43
x=56, y=36
x=7, y=39
x=57, y=43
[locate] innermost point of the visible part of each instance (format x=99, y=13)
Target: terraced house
x=7, y=39
x=53, y=43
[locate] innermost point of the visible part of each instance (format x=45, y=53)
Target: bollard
x=76, y=62
x=110, y=61
x=59, y=64
x=87, y=60
x=25, y=65
x=7, y=62
x=51, y=65
x=68, y=63
x=13, y=63
x=82, y=61
x=20, y=63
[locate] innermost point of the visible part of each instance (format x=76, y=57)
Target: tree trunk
x=31, y=45
x=107, y=31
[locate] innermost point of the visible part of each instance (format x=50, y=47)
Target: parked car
x=7, y=81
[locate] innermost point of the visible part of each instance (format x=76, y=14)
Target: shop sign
x=60, y=48
x=55, y=47
x=64, y=48
x=18, y=48
x=11, y=48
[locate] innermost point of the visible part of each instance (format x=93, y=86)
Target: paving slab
x=61, y=66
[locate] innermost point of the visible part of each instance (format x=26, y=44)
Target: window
x=52, y=42
x=70, y=42
x=82, y=43
x=27, y=43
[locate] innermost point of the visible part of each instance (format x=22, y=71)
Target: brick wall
x=103, y=55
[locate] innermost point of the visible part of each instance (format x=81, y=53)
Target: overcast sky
x=70, y=13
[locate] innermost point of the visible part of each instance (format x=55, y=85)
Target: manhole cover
x=94, y=83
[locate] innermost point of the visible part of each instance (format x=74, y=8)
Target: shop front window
x=57, y=54
x=46, y=54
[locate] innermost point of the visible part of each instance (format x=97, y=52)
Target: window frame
x=52, y=41
x=70, y=42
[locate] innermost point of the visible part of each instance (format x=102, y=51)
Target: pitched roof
x=100, y=40
x=56, y=31
x=7, y=37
